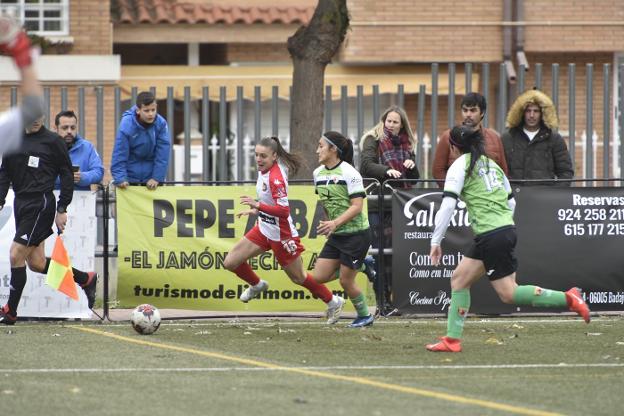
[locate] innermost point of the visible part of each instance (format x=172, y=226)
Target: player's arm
x=66, y=176
x=453, y=186
x=15, y=42
x=5, y=182
x=511, y=201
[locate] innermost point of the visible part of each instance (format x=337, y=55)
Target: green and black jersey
x=335, y=188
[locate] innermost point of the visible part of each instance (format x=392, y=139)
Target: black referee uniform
x=32, y=171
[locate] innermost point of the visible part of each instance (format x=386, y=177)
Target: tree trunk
x=311, y=49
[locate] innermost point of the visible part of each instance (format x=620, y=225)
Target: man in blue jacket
x=141, y=153
x=88, y=167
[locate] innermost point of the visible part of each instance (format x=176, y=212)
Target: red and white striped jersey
x=272, y=191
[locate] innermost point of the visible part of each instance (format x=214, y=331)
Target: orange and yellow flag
x=60, y=275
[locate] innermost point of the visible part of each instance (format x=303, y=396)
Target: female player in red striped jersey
x=275, y=229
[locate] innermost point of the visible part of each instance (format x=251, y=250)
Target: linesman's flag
x=60, y=275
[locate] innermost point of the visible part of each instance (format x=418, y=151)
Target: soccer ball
x=145, y=319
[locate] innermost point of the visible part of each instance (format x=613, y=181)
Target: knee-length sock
x=80, y=277
x=245, y=272
x=18, y=281
x=359, y=302
x=460, y=303
x=317, y=289
x=537, y=296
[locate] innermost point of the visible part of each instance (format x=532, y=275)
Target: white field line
x=321, y=368
x=321, y=322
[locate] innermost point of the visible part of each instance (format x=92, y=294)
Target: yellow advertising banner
x=172, y=243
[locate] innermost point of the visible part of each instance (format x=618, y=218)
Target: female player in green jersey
x=341, y=192
x=483, y=186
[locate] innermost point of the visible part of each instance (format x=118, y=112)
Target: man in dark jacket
x=31, y=171
x=533, y=148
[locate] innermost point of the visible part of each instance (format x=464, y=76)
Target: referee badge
x=33, y=161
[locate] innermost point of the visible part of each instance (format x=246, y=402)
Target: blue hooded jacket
x=140, y=153
x=83, y=154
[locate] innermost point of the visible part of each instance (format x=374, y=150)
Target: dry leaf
x=494, y=341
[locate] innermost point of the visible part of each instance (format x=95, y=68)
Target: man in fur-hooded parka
x=533, y=148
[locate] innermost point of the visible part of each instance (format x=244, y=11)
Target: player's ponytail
x=293, y=161
x=342, y=144
x=468, y=140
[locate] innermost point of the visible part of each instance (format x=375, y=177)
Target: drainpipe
x=522, y=60
x=507, y=32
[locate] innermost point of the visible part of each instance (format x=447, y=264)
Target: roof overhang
x=387, y=78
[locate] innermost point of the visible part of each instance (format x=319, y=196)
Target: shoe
x=446, y=344
x=361, y=321
x=90, y=288
x=6, y=317
x=369, y=268
x=577, y=304
x=333, y=312
x=254, y=291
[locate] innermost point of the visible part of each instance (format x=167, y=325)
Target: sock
x=47, y=266
x=360, y=305
x=460, y=303
x=318, y=289
x=244, y=272
x=18, y=281
x=80, y=277
x=536, y=296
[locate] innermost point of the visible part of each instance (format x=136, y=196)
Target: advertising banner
x=566, y=237
x=173, y=241
x=573, y=237
x=38, y=299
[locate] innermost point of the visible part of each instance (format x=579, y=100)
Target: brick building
x=145, y=43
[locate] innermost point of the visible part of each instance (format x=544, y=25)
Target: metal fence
x=217, y=136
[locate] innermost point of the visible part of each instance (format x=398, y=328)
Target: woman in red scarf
x=387, y=152
x=388, y=149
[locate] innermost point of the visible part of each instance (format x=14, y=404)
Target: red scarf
x=394, y=150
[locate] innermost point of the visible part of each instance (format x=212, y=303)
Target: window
x=42, y=17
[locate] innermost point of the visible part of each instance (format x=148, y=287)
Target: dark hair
x=344, y=145
x=292, y=160
x=473, y=99
x=66, y=113
x=144, y=98
x=468, y=140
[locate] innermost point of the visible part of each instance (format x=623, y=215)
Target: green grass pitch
x=529, y=366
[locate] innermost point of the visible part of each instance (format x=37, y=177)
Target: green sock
x=460, y=303
x=360, y=305
x=536, y=296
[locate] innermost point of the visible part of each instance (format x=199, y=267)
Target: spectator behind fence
x=533, y=148
x=473, y=108
x=86, y=163
x=388, y=149
x=141, y=153
x=388, y=152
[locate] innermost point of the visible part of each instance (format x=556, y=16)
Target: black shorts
x=34, y=216
x=351, y=249
x=496, y=249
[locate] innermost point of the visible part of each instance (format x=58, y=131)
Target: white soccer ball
x=145, y=319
